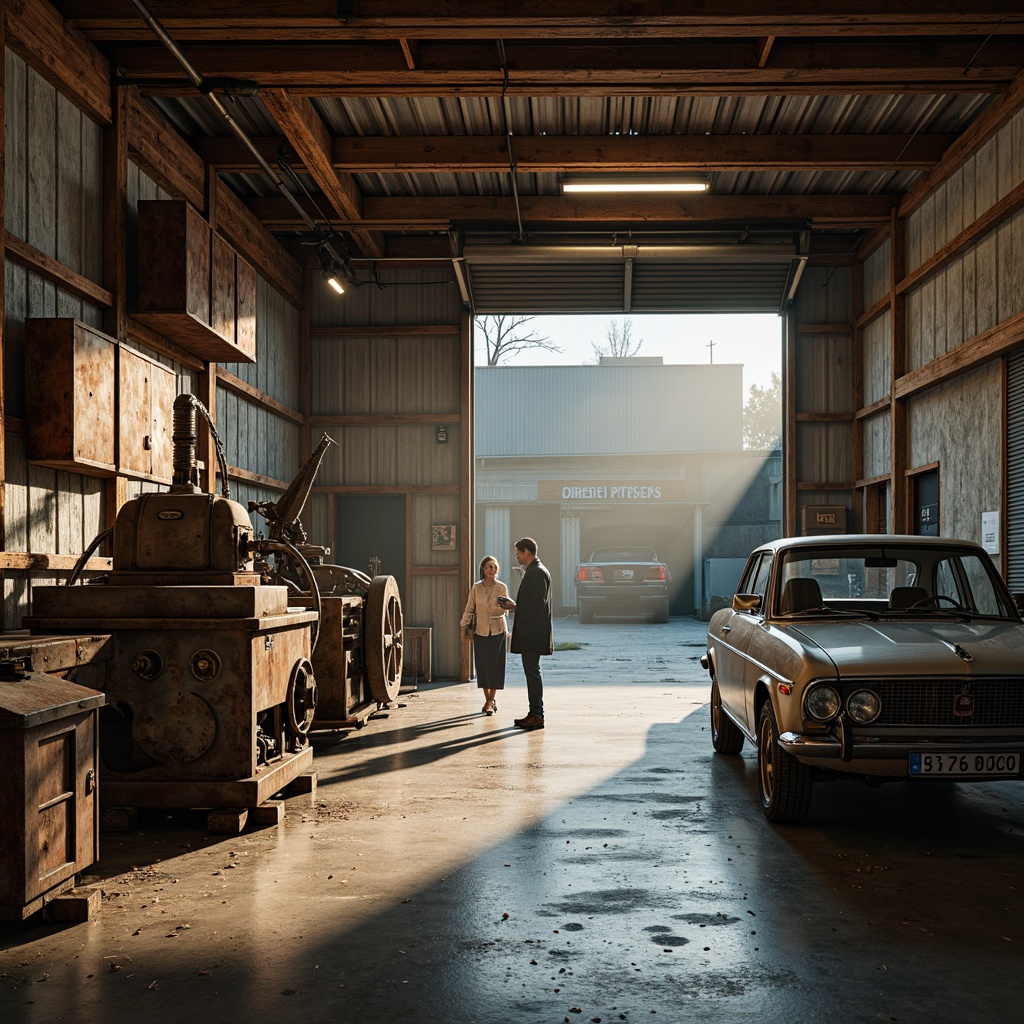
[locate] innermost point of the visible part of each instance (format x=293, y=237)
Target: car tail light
x=589, y=574
x=659, y=572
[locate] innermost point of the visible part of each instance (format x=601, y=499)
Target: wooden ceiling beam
x=60, y=54
x=551, y=154
x=464, y=154
x=438, y=213
x=308, y=137
x=944, y=65
x=162, y=153
x=526, y=19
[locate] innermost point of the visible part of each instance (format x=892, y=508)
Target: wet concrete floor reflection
x=450, y=868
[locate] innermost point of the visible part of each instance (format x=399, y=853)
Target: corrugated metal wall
x=381, y=386
x=604, y=410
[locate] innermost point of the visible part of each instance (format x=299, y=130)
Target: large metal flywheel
x=382, y=639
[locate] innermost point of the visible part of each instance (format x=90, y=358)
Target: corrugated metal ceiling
x=424, y=80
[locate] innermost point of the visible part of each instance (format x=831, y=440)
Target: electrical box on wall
x=815, y=519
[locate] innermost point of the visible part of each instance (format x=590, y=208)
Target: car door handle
x=725, y=629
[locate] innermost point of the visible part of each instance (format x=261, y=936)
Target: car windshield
x=624, y=555
x=891, y=580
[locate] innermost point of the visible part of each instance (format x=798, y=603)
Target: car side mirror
x=1018, y=601
x=746, y=602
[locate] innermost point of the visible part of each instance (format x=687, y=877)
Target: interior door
x=371, y=527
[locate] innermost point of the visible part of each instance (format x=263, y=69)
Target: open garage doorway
x=657, y=431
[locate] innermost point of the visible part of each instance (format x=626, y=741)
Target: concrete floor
x=450, y=868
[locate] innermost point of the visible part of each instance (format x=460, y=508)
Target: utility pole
x=711, y=351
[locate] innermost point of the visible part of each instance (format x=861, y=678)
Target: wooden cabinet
x=94, y=407
x=146, y=392
x=194, y=288
x=70, y=378
x=49, y=760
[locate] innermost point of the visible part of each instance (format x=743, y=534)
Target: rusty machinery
x=211, y=692
x=359, y=653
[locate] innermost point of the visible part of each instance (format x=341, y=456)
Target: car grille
x=930, y=702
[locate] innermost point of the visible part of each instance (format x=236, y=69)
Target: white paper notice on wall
x=990, y=532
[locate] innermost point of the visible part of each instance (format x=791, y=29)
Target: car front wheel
x=784, y=783
x=726, y=737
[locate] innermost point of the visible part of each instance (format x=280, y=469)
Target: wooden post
x=857, y=426
x=466, y=477
x=898, y=510
x=115, y=261
x=789, y=436
x=3, y=220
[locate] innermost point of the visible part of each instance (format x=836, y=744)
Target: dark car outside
x=870, y=657
x=622, y=581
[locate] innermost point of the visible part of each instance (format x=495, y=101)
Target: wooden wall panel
x=387, y=375
x=825, y=374
x=876, y=276
x=433, y=510
x=382, y=455
x=876, y=359
x=435, y=601
x=877, y=445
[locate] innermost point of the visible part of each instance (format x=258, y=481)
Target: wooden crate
x=69, y=396
x=145, y=412
x=189, y=284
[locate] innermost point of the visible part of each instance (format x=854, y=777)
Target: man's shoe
x=529, y=722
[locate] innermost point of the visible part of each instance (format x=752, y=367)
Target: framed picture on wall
x=442, y=538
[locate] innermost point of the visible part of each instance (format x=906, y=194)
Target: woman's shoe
x=494, y=705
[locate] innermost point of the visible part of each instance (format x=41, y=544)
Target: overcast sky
x=753, y=339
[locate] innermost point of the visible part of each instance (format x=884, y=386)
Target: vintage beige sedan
x=875, y=657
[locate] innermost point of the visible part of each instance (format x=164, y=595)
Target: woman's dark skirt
x=489, y=652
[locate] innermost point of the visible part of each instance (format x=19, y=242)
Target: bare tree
x=507, y=336
x=619, y=341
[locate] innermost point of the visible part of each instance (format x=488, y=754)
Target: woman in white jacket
x=485, y=624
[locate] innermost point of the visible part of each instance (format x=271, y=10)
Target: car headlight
x=863, y=706
x=822, y=702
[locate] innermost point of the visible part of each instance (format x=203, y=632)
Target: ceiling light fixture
x=330, y=271
x=634, y=183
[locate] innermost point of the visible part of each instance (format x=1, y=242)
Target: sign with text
x=642, y=492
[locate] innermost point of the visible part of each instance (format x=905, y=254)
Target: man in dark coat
x=531, y=629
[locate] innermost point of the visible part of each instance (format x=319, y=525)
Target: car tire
x=784, y=784
x=661, y=615
x=586, y=614
x=726, y=737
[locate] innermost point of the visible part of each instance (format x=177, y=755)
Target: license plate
x=949, y=763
